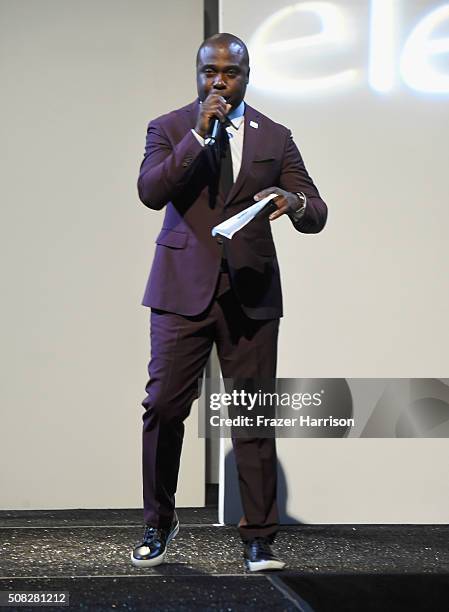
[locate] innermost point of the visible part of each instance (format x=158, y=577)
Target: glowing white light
x=416, y=67
x=383, y=34
x=265, y=54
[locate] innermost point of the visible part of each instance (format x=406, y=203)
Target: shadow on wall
x=339, y=404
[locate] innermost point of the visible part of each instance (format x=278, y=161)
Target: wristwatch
x=296, y=215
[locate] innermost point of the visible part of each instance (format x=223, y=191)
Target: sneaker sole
x=259, y=566
x=156, y=560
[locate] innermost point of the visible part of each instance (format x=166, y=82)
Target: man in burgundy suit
x=204, y=290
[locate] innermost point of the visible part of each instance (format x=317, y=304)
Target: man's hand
x=285, y=201
x=214, y=106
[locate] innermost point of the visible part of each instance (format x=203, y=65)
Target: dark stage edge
x=329, y=567
x=61, y=518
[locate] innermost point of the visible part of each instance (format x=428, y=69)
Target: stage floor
x=358, y=568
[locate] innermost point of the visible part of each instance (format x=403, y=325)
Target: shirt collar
x=237, y=112
x=236, y=116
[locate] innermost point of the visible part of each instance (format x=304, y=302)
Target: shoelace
x=151, y=533
x=261, y=545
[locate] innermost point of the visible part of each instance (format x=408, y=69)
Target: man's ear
x=247, y=75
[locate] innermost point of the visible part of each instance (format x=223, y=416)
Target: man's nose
x=219, y=82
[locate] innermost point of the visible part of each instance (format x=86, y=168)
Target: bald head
x=228, y=41
x=222, y=67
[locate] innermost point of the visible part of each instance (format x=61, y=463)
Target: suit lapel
x=251, y=139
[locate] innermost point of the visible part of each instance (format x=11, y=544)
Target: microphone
x=211, y=138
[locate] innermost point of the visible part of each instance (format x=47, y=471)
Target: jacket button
x=219, y=240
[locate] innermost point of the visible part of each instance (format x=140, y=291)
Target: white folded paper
x=229, y=227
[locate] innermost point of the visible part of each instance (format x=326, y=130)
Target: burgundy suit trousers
x=180, y=347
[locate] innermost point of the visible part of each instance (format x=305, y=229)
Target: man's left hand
x=285, y=201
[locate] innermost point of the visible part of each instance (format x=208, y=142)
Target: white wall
x=368, y=297
x=80, y=80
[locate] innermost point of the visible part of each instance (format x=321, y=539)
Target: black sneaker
x=258, y=556
x=153, y=547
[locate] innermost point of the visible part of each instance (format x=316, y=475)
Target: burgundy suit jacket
x=177, y=174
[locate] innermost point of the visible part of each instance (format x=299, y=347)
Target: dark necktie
x=225, y=159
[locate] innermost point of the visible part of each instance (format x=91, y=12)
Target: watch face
x=302, y=200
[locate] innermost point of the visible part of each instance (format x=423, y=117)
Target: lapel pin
x=254, y=124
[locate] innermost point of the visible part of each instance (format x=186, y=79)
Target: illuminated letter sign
x=382, y=44
x=265, y=53
x=276, y=61
x=416, y=61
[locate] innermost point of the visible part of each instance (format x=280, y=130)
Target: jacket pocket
x=263, y=160
x=171, y=238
